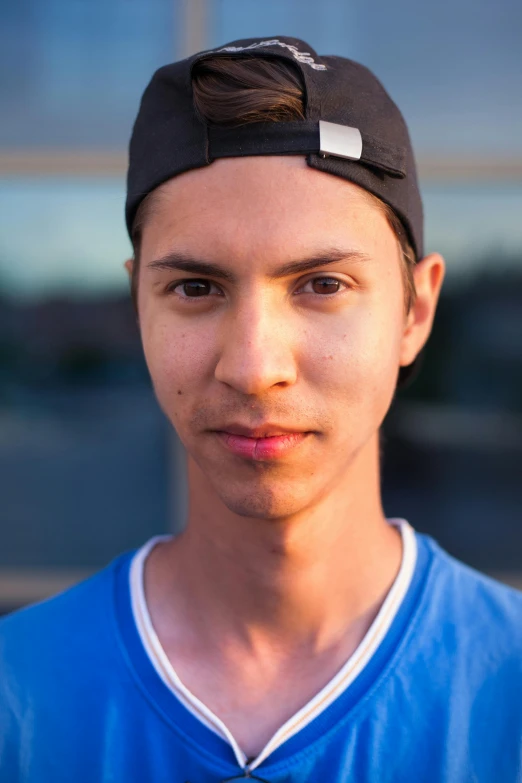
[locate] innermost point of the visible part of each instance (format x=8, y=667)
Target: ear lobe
x=428, y=275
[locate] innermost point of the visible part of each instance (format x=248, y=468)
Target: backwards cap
x=352, y=129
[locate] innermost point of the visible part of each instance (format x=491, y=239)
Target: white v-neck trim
x=326, y=696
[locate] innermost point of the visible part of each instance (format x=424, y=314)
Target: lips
x=265, y=443
x=264, y=431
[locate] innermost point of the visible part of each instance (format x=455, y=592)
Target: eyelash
x=171, y=288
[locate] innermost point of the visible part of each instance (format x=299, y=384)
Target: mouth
x=264, y=444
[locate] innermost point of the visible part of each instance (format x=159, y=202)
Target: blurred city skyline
x=76, y=72
x=89, y=465
x=77, y=69
x=469, y=224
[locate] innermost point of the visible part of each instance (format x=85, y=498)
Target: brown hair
x=236, y=91
x=230, y=91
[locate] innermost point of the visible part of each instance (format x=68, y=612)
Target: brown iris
x=325, y=285
x=196, y=288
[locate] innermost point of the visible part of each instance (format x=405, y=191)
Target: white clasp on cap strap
x=339, y=140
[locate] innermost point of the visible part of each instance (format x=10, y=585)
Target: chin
x=261, y=507
x=271, y=503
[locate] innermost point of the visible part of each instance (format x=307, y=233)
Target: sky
x=72, y=72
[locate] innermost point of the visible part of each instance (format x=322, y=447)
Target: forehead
x=264, y=206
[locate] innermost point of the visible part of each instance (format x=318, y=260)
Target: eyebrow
x=184, y=263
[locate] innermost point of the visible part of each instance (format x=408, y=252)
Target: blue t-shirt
x=440, y=701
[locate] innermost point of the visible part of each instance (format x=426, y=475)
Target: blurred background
x=88, y=465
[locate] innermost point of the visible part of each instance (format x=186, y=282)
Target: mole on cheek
x=179, y=391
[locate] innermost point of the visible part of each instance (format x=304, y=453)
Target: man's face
x=295, y=332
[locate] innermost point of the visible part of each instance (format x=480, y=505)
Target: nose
x=257, y=352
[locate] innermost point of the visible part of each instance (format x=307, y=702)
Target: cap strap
x=389, y=159
x=263, y=138
x=294, y=138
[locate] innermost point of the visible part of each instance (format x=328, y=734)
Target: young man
x=292, y=632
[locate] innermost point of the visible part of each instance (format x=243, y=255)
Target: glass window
x=88, y=464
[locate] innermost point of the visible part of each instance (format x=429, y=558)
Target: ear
x=428, y=275
x=129, y=266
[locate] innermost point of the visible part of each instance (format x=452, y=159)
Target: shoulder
x=463, y=660
x=471, y=590
x=467, y=611
x=60, y=657
x=66, y=627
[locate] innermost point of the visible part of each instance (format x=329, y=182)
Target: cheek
x=356, y=358
x=180, y=362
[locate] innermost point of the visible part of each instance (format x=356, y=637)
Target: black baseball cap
x=351, y=129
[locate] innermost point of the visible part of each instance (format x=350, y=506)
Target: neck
x=294, y=582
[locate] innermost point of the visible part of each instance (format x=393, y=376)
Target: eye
x=192, y=289
x=323, y=285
